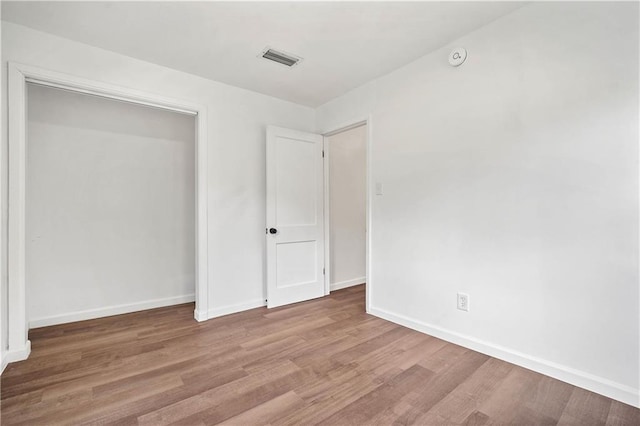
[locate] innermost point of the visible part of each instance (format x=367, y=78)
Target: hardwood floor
x=319, y=362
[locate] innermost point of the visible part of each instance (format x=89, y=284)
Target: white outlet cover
x=463, y=302
x=457, y=56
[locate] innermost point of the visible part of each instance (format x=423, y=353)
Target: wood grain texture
x=319, y=362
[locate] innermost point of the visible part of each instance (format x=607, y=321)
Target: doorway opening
x=110, y=207
x=18, y=346
x=300, y=253
x=346, y=206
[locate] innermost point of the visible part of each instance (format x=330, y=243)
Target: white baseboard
x=584, y=380
x=19, y=354
x=110, y=310
x=232, y=309
x=3, y=362
x=349, y=283
x=200, y=315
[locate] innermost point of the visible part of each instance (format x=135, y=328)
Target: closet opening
x=110, y=206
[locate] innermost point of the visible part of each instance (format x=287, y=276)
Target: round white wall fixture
x=457, y=56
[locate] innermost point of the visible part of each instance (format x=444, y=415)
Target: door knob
x=272, y=230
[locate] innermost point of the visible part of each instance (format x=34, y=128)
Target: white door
x=295, y=233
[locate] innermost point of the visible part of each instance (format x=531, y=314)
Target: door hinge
x=322, y=271
x=323, y=153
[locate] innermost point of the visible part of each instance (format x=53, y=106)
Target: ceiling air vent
x=280, y=57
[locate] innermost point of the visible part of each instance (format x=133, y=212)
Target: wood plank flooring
x=320, y=362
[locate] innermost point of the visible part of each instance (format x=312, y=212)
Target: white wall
x=110, y=206
x=236, y=151
x=347, y=183
x=514, y=178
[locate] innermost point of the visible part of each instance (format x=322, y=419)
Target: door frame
x=365, y=121
x=19, y=346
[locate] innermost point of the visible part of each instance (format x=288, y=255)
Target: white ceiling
x=344, y=44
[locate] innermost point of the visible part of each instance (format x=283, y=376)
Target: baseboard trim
x=235, y=308
x=348, y=283
x=200, y=315
x=110, y=310
x=3, y=362
x=584, y=380
x=17, y=355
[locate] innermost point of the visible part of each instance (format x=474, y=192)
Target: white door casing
x=295, y=216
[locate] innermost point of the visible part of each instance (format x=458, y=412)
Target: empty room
x=337, y=213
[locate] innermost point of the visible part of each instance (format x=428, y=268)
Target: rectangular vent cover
x=279, y=57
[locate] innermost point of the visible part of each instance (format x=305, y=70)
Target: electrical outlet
x=463, y=302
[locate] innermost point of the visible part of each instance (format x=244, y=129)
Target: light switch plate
x=379, y=188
